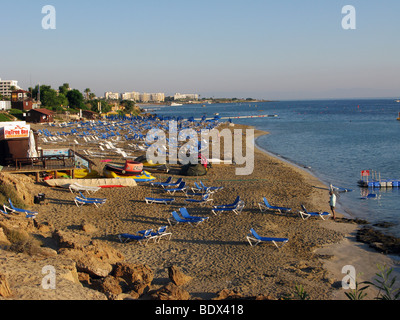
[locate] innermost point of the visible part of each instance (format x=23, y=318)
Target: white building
x=158, y=97
x=111, y=95
x=144, y=97
x=133, y=96
x=190, y=96
x=5, y=105
x=5, y=87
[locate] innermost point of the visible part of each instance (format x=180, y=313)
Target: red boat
x=130, y=168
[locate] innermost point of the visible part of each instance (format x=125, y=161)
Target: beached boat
x=101, y=182
x=155, y=167
x=130, y=168
x=142, y=177
x=80, y=173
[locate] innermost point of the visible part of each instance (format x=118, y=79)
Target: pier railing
x=52, y=162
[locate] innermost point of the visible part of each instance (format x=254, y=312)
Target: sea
x=335, y=140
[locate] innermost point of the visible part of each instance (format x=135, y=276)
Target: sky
x=262, y=49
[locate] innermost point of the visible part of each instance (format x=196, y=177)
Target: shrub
x=7, y=192
x=21, y=241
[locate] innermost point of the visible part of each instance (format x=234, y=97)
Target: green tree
x=48, y=97
x=128, y=105
x=93, y=105
x=64, y=89
x=75, y=99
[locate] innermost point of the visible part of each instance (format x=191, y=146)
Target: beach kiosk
x=19, y=152
x=14, y=141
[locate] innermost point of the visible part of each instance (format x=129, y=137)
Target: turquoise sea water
x=334, y=139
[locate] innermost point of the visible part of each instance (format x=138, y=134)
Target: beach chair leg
x=248, y=239
x=321, y=216
x=122, y=239
x=276, y=245
x=170, y=222
x=303, y=215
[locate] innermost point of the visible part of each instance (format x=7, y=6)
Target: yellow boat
x=79, y=174
x=143, y=177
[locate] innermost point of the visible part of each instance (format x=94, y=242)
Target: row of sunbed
x=144, y=236
x=170, y=188
x=304, y=214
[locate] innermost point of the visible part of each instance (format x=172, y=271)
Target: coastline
x=349, y=251
x=214, y=254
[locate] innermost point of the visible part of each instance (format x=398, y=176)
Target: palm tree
x=87, y=91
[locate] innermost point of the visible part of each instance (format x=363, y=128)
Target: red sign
x=16, y=132
x=365, y=173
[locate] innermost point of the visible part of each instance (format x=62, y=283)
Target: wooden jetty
x=42, y=164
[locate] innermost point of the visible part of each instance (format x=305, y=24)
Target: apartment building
x=133, y=96
x=5, y=87
x=144, y=97
x=111, y=95
x=189, y=96
x=158, y=97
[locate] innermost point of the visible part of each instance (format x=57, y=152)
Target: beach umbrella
x=32, y=152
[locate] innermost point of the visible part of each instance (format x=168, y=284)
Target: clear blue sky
x=222, y=48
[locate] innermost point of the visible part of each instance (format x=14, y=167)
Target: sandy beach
x=214, y=253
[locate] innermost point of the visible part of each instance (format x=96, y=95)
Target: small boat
x=80, y=173
x=130, y=168
x=174, y=104
x=101, y=182
x=142, y=177
x=398, y=117
x=155, y=167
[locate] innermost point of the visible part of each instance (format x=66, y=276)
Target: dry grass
x=8, y=192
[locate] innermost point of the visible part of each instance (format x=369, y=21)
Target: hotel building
x=190, y=96
x=143, y=97
x=5, y=87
